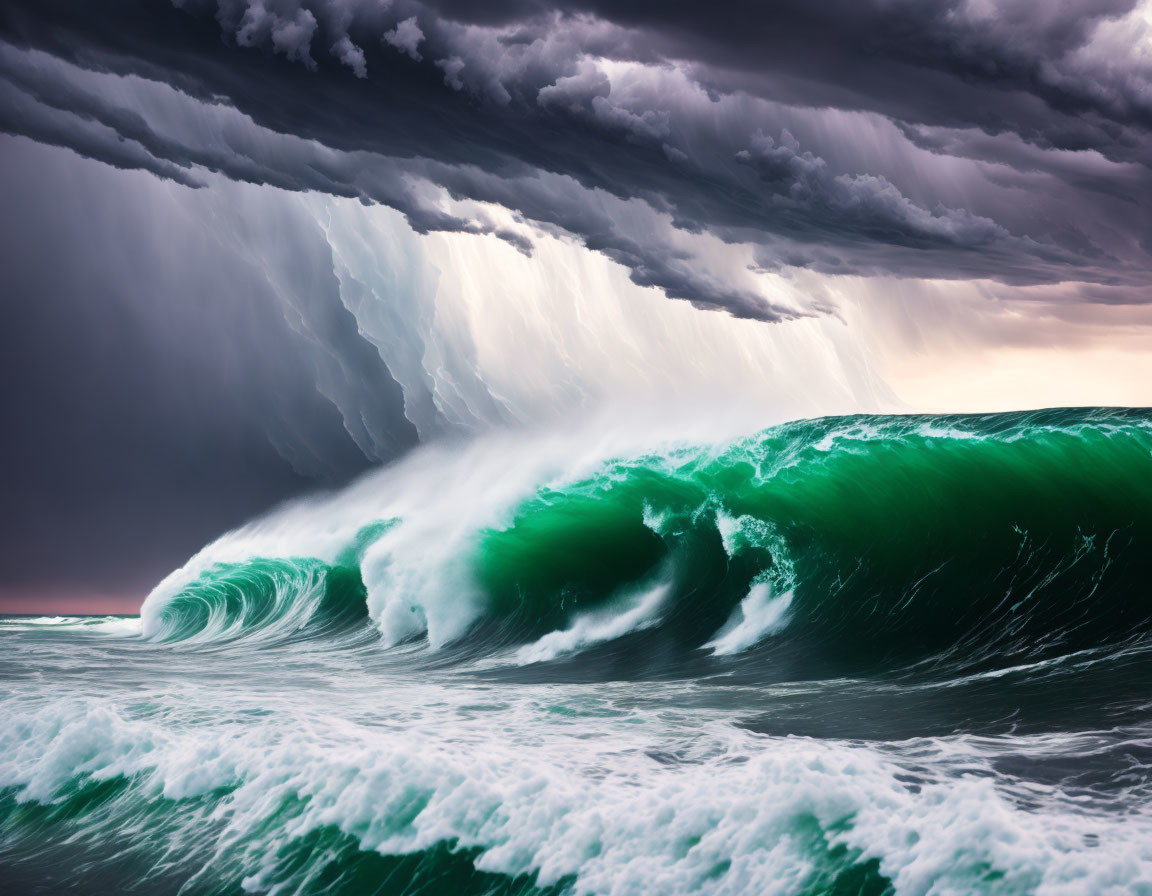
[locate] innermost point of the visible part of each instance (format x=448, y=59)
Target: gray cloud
x=89, y=128
x=406, y=36
x=351, y=55
x=997, y=119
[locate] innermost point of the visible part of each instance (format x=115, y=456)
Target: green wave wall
x=898, y=538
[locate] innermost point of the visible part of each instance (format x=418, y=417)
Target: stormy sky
x=252, y=247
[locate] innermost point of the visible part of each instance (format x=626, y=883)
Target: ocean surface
x=856, y=655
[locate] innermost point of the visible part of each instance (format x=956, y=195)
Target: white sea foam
x=108, y=625
x=41, y=620
x=120, y=626
x=578, y=795
x=760, y=614
x=632, y=613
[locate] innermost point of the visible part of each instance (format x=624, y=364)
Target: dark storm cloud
x=44, y=117
x=158, y=386
x=995, y=64
x=1016, y=134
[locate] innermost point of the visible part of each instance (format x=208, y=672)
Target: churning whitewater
x=869, y=654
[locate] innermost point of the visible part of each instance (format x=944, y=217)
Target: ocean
x=852, y=655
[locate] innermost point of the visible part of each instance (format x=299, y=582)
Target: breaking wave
x=859, y=542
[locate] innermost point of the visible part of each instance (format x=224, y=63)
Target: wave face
x=858, y=542
x=859, y=655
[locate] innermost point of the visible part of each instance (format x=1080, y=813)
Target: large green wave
x=881, y=539
x=898, y=537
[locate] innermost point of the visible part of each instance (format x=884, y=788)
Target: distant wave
x=110, y=625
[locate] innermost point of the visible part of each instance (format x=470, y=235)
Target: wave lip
x=264, y=600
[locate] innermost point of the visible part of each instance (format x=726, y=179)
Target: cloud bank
x=999, y=140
